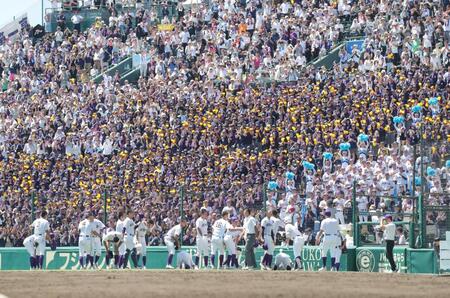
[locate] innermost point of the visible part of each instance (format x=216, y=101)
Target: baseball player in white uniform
x=184, y=260
x=292, y=233
x=84, y=241
x=112, y=241
x=129, y=231
x=143, y=228
x=282, y=261
x=231, y=238
x=95, y=227
x=341, y=245
x=30, y=244
x=329, y=229
x=218, y=233
x=201, y=226
x=41, y=229
x=172, y=241
x=269, y=241
x=120, y=228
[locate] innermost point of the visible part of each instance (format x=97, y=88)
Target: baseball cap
x=328, y=213
x=388, y=217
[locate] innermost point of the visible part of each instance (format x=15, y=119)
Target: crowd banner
x=166, y=27
x=352, y=43
x=66, y=258
x=12, y=29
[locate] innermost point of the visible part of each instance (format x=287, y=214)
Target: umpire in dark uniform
x=250, y=228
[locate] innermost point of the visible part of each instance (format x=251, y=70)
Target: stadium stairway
x=122, y=68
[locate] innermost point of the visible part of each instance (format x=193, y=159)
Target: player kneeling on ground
x=184, y=260
x=282, y=261
x=112, y=241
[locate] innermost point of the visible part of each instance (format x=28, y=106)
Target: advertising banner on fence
x=66, y=258
x=373, y=259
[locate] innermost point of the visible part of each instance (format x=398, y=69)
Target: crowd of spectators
x=199, y=116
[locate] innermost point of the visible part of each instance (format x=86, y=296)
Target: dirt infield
x=228, y=284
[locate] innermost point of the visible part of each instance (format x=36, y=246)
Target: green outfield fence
x=66, y=258
x=365, y=259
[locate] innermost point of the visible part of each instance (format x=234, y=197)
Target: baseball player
x=172, y=241
x=84, y=241
x=329, y=230
x=184, y=260
x=143, y=228
x=218, y=233
x=292, y=233
x=231, y=238
x=269, y=241
x=41, y=229
x=112, y=241
x=119, y=228
x=282, y=261
x=95, y=227
x=342, y=244
x=276, y=224
x=129, y=228
x=30, y=244
x=201, y=226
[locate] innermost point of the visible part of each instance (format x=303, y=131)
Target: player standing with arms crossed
x=172, y=241
x=41, y=229
x=329, y=229
x=201, y=226
x=129, y=228
x=112, y=240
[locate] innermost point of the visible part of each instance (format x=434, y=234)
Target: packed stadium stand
x=130, y=101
